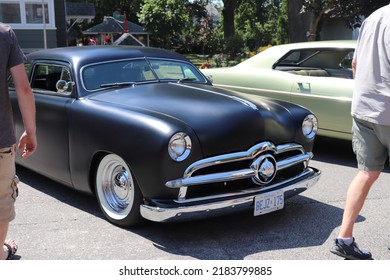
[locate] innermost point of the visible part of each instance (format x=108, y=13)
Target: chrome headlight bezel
x=310, y=126
x=179, y=146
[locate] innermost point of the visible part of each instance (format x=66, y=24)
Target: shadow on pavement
x=336, y=151
x=303, y=223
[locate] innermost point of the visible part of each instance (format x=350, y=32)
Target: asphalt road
x=57, y=223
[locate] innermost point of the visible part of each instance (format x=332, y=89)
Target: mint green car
x=316, y=75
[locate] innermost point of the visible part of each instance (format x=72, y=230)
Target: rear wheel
x=117, y=191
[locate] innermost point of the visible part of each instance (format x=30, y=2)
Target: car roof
x=320, y=44
x=90, y=54
x=269, y=56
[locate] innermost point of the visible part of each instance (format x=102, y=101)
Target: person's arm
x=353, y=68
x=28, y=140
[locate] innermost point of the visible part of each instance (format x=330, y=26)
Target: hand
x=27, y=144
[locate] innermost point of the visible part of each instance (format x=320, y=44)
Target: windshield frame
x=104, y=74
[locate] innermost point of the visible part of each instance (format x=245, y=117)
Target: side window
x=296, y=57
x=346, y=63
x=46, y=76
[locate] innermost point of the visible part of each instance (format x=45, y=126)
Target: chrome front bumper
x=228, y=205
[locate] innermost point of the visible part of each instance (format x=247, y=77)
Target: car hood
x=219, y=118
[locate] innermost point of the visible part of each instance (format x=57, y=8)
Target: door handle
x=304, y=87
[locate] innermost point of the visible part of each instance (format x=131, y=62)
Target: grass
x=198, y=60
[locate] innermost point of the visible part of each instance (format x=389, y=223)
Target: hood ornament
x=265, y=169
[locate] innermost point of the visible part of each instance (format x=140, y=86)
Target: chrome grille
x=262, y=166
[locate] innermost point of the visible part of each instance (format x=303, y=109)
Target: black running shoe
x=350, y=252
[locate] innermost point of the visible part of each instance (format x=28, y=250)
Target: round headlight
x=310, y=126
x=179, y=146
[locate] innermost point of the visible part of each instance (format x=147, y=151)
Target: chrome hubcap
x=117, y=186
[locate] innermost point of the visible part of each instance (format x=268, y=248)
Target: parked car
x=316, y=75
x=144, y=131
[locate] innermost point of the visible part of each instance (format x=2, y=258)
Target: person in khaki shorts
x=12, y=62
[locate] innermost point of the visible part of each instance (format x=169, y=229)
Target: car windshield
x=131, y=72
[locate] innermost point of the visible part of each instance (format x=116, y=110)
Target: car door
x=323, y=83
x=330, y=100
x=52, y=156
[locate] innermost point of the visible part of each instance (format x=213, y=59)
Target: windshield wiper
x=121, y=84
x=185, y=80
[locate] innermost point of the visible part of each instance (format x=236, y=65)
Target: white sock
x=346, y=240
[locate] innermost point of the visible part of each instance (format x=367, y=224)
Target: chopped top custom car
x=316, y=75
x=144, y=131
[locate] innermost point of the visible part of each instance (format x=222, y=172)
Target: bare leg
x=3, y=235
x=356, y=195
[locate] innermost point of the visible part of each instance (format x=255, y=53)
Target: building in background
x=43, y=24
x=37, y=23
x=120, y=32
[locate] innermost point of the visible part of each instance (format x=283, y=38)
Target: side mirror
x=63, y=86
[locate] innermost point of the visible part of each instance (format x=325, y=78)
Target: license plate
x=268, y=202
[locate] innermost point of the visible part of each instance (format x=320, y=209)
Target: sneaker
x=350, y=252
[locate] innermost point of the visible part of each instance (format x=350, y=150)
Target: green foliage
x=164, y=19
x=261, y=22
x=281, y=36
x=198, y=31
x=234, y=45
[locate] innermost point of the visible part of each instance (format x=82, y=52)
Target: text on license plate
x=268, y=202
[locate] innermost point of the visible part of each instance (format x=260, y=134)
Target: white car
x=316, y=75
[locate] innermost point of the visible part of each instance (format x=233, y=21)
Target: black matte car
x=144, y=131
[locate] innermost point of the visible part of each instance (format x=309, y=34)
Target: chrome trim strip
x=288, y=162
x=232, y=157
x=261, y=92
x=304, y=174
x=158, y=214
x=235, y=175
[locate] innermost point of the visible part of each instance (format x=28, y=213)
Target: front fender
x=141, y=140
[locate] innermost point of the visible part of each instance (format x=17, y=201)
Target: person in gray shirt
x=370, y=111
x=12, y=62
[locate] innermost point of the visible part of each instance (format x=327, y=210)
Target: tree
x=261, y=22
x=228, y=13
x=282, y=23
x=350, y=10
x=165, y=19
x=298, y=22
x=200, y=33
x=132, y=8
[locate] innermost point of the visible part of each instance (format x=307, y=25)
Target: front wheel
x=117, y=191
